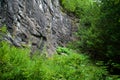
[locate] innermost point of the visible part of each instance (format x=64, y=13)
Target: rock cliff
x=35, y=23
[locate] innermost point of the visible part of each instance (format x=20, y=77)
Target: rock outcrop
x=35, y=23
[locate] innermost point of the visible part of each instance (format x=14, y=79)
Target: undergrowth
x=15, y=64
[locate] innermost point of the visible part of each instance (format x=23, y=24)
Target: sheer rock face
x=35, y=23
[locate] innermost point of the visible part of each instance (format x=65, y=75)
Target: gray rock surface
x=36, y=23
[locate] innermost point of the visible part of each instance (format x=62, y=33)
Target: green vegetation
x=15, y=64
x=94, y=56
x=98, y=33
x=3, y=29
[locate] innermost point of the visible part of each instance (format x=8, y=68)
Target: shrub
x=13, y=61
x=16, y=64
x=64, y=50
x=98, y=33
x=69, y=5
x=78, y=7
x=72, y=67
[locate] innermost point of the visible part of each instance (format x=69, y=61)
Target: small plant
x=64, y=50
x=3, y=29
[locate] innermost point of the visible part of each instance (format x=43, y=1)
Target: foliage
x=110, y=28
x=64, y=50
x=70, y=5
x=102, y=31
x=98, y=35
x=88, y=12
x=15, y=64
x=3, y=29
x=98, y=32
x=77, y=6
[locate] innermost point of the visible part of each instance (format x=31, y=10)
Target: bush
x=64, y=50
x=16, y=64
x=69, y=5
x=78, y=7
x=98, y=33
x=72, y=67
x=13, y=62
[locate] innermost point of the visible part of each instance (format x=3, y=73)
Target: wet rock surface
x=35, y=23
